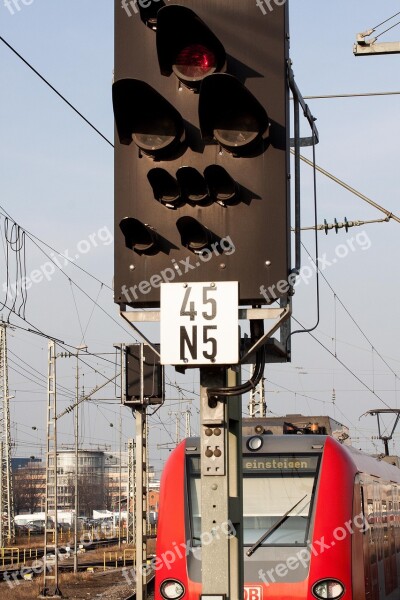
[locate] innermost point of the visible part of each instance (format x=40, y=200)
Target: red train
x=332, y=513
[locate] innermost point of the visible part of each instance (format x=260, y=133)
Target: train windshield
x=278, y=494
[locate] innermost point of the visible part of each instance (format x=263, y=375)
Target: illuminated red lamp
x=187, y=47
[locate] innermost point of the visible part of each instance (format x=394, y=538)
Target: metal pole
x=50, y=565
x=8, y=525
x=188, y=429
x=141, y=549
x=147, y=482
x=130, y=529
x=1, y=498
x=140, y=500
x=76, y=465
x=386, y=443
x=120, y=481
x=221, y=487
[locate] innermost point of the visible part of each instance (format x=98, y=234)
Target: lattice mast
x=257, y=402
x=7, y=525
x=130, y=504
x=50, y=571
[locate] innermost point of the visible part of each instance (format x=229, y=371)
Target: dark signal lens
x=138, y=236
x=192, y=185
x=194, y=235
x=146, y=117
x=231, y=115
x=194, y=62
x=237, y=131
x=222, y=187
x=159, y=134
x=165, y=187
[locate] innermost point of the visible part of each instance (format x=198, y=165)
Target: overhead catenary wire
x=55, y=91
x=337, y=298
x=346, y=186
x=32, y=237
x=61, y=344
x=386, y=21
x=39, y=376
x=353, y=95
x=386, y=30
x=118, y=323
x=366, y=386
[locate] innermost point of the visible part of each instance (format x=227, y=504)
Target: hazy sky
x=56, y=181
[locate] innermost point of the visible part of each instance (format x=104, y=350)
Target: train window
x=278, y=493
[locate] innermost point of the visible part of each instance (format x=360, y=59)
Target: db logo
x=253, y=592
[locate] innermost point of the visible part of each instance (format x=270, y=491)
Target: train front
x=297, y=491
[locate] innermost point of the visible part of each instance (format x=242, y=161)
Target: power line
x=344, y=365
x=37, y=374
x=386, y=20
x=55, y=91
x=386, y=30
x=310, y=398
x=388, y=213
x=33, y=237
x=353, y=95
x=349, y=314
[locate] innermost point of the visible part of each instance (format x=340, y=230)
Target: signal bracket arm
x=363, y=47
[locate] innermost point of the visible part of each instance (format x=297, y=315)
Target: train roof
x=282, y=444
x=297, y=424
x=273, y=444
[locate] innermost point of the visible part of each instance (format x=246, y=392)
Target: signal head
x=147, y=118
x=231, y=115
x=187, y=47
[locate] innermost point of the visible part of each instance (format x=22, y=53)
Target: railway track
x=150, y=590
x=10, y=557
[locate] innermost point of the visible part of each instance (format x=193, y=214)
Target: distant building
x=101, y=482
x=91, y=480
x=19, y=463
x=29, y=485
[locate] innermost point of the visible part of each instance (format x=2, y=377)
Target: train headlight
x=171, y=589
x=328, y=588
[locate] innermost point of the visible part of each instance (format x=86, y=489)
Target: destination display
x=271, y=463
x=279, y=463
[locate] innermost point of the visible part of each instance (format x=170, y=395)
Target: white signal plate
x=199, y=323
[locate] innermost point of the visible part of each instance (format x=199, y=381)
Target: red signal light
x=187, y=47
x=194, y=62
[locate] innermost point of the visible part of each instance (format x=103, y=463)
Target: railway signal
x=202, y=151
